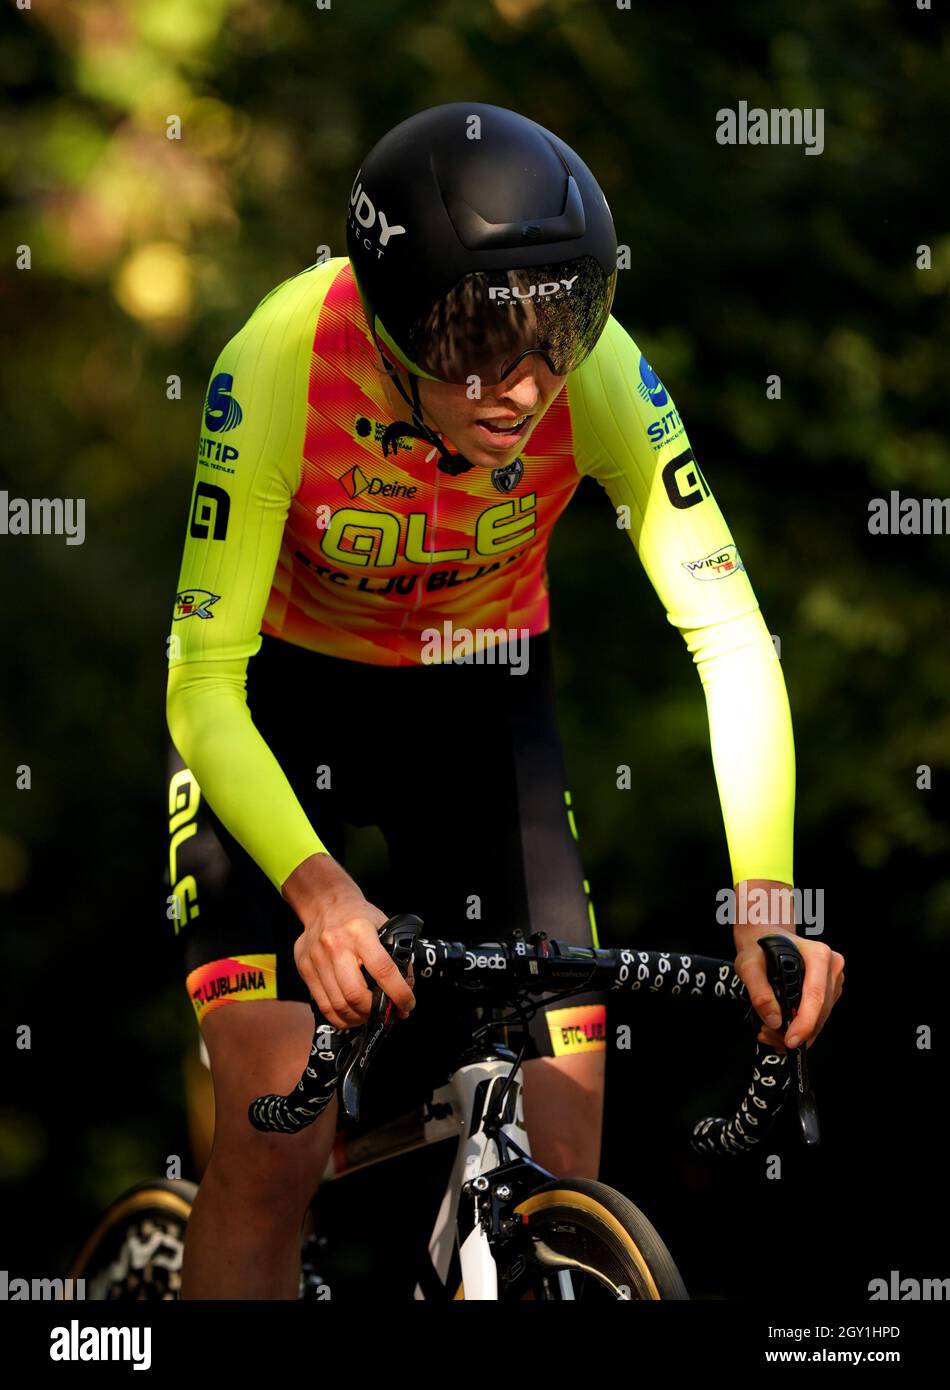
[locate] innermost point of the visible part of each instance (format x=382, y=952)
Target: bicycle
x=507, y=1229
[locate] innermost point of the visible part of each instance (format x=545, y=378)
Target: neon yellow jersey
x=301, y=527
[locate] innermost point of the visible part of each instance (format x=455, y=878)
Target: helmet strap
x=414, y=403
x=448, y=463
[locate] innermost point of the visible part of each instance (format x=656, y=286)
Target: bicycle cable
x=526, y=1013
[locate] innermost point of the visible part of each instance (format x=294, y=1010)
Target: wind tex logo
x=194, y=603
x=717, y=565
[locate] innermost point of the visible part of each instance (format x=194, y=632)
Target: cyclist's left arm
x=629, y=436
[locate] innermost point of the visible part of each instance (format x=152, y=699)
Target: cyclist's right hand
x=329, y=954
x=341, y=933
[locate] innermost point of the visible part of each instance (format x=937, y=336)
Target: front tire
x=135, y=1252
x=583, y=1239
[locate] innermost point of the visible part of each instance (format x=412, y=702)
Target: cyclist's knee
x=257, y=1049
x=277, y=1172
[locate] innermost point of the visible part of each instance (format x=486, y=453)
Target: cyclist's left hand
x=824, y=976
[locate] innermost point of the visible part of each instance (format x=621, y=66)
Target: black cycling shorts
x=460, y=767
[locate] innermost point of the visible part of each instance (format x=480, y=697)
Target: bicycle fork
x=484, y=1182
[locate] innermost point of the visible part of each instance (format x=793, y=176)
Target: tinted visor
x=490, y=320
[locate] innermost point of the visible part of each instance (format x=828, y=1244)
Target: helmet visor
x=490, y=320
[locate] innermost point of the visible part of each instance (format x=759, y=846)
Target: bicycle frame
x=468, y=1210
x=492, y=1163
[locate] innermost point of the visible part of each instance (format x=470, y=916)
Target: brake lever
x=398, y=935
x=785, y=971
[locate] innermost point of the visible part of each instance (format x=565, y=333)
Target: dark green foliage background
x=147, y=254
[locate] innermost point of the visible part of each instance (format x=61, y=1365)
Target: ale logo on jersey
x=354, y=482
x=194, y=603
x=719, y=565
x=222, y=411
x=684, y=481
x=210, y=510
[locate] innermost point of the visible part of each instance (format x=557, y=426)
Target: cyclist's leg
x=564, y=1113
x=237, y=936
x=565, y=1066
x=243, y=1234
x=485, y=846
x=565, y=1062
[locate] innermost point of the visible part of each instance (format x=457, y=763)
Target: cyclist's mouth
x=500, y=432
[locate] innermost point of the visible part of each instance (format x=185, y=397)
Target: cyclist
x=361, y=637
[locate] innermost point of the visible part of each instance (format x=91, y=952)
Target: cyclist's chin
x=485, y=452
x=491, y=458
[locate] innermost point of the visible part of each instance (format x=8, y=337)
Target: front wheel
x=582, y=1239
x=135, y=1252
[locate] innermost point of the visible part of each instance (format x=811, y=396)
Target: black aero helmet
x=476, y=237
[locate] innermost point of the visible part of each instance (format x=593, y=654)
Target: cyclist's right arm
x=257, y=406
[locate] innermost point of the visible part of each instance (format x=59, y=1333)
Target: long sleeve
x=247, y=472
x=629, y=436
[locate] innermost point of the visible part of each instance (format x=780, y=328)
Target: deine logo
x=355, y=482
x=504, y=294
x=222, y=411
x=363, y=213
